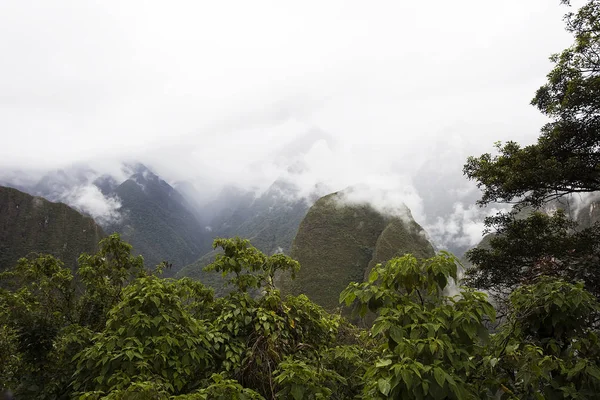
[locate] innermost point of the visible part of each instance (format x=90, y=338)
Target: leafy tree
x=564, y=160
x=149, y=336
x=430, y=344
x=50, y=314
x=251, y=268
x=34, y=313
x=267, y=339
x=10, y=357
x=172, y=339
x=566, y=156
x=524, y=249
x=104, y=275
x=548, y=348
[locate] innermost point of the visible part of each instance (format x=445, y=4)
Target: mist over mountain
x=157, y=220
x=270, y=221
x=308, y=166
x=342, y=238
x=144, y=209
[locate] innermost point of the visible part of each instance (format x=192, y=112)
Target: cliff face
x=339, y=243
x=32, y=224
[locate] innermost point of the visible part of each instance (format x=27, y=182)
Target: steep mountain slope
x=33, y=224
x=269, y=221
x=158, y=221
x=337, y=243
x=401, y=236
x=150, y=214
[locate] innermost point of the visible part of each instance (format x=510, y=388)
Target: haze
x=392, y=95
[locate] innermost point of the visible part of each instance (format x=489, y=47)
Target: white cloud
x=460, y=229
x=89, y=199
x=219, y=92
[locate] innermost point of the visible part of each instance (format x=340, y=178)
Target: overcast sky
x=382, y=91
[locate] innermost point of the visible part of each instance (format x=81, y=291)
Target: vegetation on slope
x=269, y=221
x=338, y=243
x=158, y=222
x=32, y=224
x=123, y=332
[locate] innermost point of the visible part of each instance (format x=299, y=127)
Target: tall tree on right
x=565, y=160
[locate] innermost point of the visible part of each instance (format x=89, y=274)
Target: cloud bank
x=389, y=95
x=90, y=200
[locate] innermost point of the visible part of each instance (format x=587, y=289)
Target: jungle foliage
x=117, y=330
x=562, y=163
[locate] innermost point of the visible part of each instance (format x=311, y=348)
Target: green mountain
x=338, y=243
x=32, y=224
x=158, y=221
x=149, y=213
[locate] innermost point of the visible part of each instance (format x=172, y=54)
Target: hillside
x=33, y=224
x=270, y=221
x=158, y=221
x=338, y=243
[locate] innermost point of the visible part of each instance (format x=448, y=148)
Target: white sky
x=213, y=90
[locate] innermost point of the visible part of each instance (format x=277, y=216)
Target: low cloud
x=461, y=229
x=89, y=199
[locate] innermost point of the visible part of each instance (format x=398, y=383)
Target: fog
x=385, y=96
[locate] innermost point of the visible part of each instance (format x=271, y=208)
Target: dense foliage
x=564, y=161
x=117, y=330
x=566, y=156
x=540, y=245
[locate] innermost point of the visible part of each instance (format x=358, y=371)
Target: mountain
x=106, y=184
x=338, y=243
x=33, y=224
x=55, y=185
x=158, y=221
x=148, y=213
x=270, y=221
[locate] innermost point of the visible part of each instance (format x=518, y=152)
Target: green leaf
x=297, y=391
x=384, y=386
x=578, y=367
x=593, y=371
x=439, y=375
x=396, y=333
x=407, y=377
x=383, y=363
x=373, y=275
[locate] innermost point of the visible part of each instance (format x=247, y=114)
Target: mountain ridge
x=30, y=224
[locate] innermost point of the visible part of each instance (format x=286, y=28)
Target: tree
x=37, y=302
x=251, y=268
x=431, y=345
x=564, y=160
x=548, y=347
x=540, y=245
x=103, y=276
x=172, y=339
x=566, y=157
x=150, y=336
x=50, y=314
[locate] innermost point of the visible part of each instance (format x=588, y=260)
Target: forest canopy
x=117, y=330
